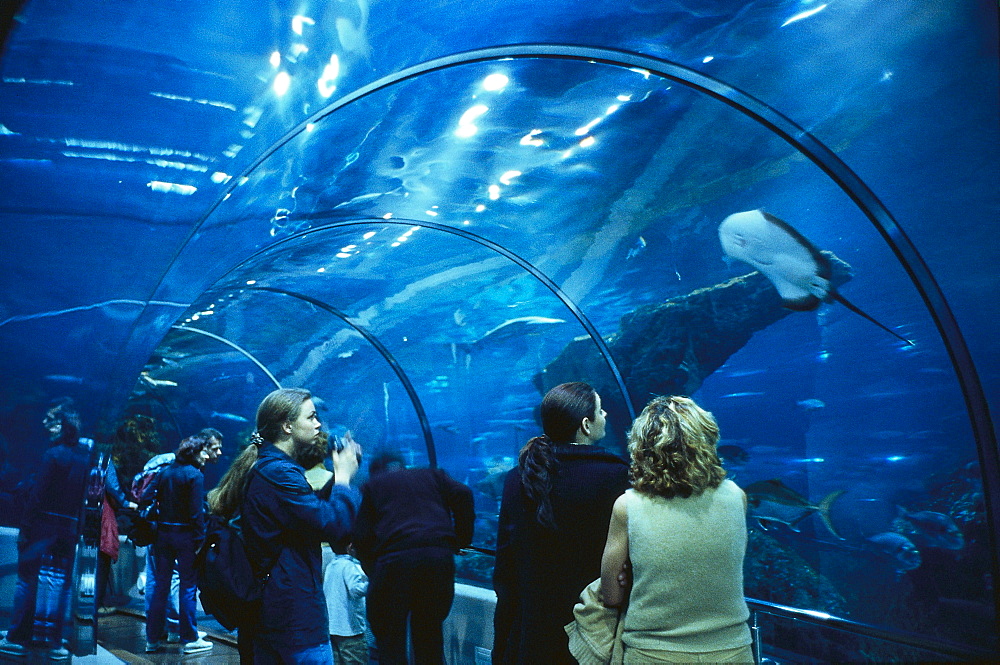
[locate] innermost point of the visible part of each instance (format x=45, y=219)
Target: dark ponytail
x=537, y=464
x=563, y=410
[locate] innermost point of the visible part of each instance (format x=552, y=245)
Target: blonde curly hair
x=672, y=445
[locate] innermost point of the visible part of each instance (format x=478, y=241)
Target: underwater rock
x=777, y=574
x=670, y=348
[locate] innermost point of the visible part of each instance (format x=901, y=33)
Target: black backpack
x=231, y=587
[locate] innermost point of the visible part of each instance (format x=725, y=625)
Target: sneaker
x=197, y=647
x=153, y=646
x=59, y=653
x=175, y=638
x=12, y=648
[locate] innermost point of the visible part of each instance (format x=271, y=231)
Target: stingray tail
x=857, y=310
x=823, y=510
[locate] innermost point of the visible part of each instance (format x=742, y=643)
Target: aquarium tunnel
x=428, y=214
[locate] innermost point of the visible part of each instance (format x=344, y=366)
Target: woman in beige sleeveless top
x=682, y=531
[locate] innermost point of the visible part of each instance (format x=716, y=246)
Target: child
x=346, y=586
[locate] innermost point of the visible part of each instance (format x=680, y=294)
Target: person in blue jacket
x=284, y=523
x=179, y=494
x=49, y=532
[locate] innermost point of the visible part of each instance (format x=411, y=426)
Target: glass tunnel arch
x=372, y=339
x=866, y=201
x=804, y=142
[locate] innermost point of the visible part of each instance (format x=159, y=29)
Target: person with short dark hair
x=49, y=532
x=214, y=447
x=553, y=522
x=683, y=529
x=179, y=495
x=411, y=524
x=284, y=523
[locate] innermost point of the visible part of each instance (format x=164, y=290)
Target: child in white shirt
x=346, y=586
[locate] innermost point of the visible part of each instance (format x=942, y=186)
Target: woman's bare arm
x=615, y=559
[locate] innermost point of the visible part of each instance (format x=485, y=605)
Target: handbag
x=143, y=530
x=595, y=634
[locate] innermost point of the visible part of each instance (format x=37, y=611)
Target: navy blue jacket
x=180, y=498
x=284, y=519
x=57, y=496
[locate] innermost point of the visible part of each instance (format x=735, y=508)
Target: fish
x=796, y=268
x=771, y=501
x=744, y=394
x=232, y=417
x=732, y=454
x=899, y=547
x=512, y=328
x=811, y=404
x=156, y=383
x=63, y=378
x=638, y=248
x=446, y=426
x=934, y=529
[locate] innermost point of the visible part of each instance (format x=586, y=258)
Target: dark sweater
x=540, y=572
x=412, y=508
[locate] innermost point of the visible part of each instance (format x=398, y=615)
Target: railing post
x=755, y=634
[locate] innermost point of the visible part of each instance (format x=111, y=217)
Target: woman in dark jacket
x=179, y=493
x=553, y=524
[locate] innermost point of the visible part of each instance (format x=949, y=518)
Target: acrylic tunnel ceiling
x=429, y=213
x=405, y=189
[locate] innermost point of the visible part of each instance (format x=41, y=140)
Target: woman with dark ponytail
x=554, y=519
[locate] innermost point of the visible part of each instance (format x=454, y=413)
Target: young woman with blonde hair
x=682, y=527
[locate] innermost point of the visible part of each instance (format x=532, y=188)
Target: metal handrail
x=816, y=618
x=825, y=620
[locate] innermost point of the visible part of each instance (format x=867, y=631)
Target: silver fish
x=899, y=547
x=773, y=502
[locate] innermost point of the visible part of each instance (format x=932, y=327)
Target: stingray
x=798, y=270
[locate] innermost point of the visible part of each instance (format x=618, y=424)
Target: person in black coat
x=409, y=527
x=553, y=524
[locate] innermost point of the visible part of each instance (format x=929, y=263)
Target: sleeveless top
x=687, y=570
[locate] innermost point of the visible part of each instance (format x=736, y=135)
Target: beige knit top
x=687, y=570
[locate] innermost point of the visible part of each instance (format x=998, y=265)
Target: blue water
x=158, y=174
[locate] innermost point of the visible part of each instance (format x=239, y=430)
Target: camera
x=338, y=441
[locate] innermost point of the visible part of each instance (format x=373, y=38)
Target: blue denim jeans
x=173, y=547
x=265, y=653
x=149, y=590
x=41, y=598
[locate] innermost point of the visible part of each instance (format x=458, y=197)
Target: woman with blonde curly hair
x=682, y=527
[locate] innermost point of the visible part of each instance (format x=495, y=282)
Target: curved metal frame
x=904, y=249
x=489, y=244
x=418, y=406
x=234, y=346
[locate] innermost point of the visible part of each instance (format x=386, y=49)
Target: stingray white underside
x=780, y=256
